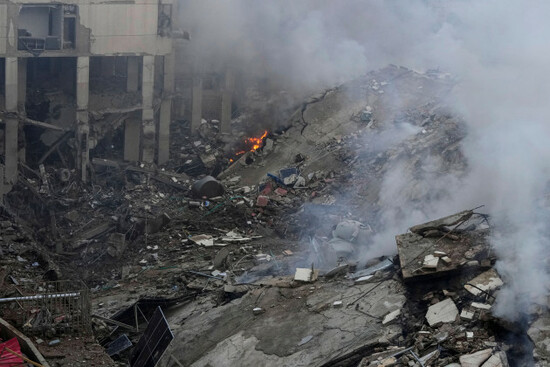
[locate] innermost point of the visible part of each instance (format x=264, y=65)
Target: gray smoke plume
x=496, y=47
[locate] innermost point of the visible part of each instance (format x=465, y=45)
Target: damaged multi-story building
x=74, y=72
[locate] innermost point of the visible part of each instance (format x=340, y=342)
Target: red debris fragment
x=262, y=200
x=8, y=359
x=281, y=191
x=267, y=189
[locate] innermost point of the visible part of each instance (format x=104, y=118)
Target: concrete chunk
x=481, y=306
x=391, y=316
x=466, y=315
x=442, y=312
x=498, y=359
x=306, y=275
x=475, y=359
x=430, y=262
x=484, y=282
x=442, y=222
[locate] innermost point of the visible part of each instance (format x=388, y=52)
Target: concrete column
x=196, y=109
x=164, y=131
x=132, y=74
x=12, y=75
x=22, y=84
x=147, y=89
x=227, y=93
x=11, y=123
x=166, y=110
x=132, y=137
x=82, y=117
x=21, y=99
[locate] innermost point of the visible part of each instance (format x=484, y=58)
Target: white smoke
x=498, y=48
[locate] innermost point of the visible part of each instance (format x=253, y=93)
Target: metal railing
x=59, y=307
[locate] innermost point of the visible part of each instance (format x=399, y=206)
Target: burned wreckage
x=120, y=249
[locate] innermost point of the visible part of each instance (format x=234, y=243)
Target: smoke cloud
x=496, y=48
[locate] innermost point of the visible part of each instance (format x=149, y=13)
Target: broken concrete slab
x=430, y=262
x=306, y=274
x=467, y=315
x=413, y=248
x=450, y=220
x=442, y=312
x=498, y=359
x=475, y=359
x=481, y=306
x=485, y=282
x=539, y=333
x=227, y=335
x=391, y=316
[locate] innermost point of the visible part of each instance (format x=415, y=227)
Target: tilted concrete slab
x=467, y=242
x=442, y=312
x=232, y=335
x=485, y=282
x=475, y=359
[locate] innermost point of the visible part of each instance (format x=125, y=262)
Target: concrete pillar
x=132, y=74
x=82, y=117
x=164, y=131
x=132, y=137
x=166, y=110
x=12, y=75
x=22, y=84
x=107, y=66
x=196, y=109
x=21, y=99
x=147, y=89
x=227, y=93
x=11, y=123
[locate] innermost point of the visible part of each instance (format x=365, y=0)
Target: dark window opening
x=165, y=20
x=69, y=36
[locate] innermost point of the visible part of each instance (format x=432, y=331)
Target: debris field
x=281, y=255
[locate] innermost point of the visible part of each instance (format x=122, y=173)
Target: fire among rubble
x=252, y=144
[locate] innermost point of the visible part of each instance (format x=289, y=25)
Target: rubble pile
x=268, y=260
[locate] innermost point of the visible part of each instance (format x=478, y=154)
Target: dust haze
x=497, y=49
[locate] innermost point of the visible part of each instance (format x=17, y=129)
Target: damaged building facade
x=71, y=71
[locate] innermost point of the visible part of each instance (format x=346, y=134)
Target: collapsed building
x=131, y=202
x=80, y=72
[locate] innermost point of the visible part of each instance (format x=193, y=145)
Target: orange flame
x=254, y=143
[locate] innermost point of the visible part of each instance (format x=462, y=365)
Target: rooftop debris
x=464, y=245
